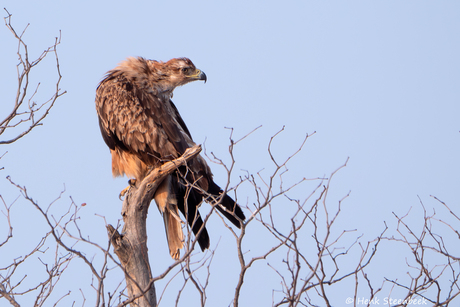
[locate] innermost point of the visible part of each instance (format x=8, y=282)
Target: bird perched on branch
x=144, y=129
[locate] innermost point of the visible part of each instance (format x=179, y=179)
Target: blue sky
x=377, y=80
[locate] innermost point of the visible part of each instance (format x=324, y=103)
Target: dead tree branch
x=26, y=113
x=131, y=245
x=432, y=266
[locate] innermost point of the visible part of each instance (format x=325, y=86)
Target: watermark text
x=385, y=301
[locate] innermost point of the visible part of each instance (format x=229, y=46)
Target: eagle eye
x=185, y=70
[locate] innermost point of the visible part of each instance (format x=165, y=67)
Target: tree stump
x=131, y=245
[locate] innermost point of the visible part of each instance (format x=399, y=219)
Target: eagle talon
x=132, y=183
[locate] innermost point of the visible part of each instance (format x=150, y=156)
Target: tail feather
x=190, y=210
x=172, y=196
x=227, y=206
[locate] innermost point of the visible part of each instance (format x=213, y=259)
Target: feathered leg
x=167, y=204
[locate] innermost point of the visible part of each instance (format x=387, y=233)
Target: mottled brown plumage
x=144, y=129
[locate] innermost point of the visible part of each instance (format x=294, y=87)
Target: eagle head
x=176, y=72
x=161, y=77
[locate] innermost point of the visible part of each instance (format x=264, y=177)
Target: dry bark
x=131, y=245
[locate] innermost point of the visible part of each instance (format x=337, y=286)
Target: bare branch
x=31, y=115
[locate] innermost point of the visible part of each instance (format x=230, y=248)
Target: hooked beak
x=199, y=75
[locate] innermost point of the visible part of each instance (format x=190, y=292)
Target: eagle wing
x=135, y=120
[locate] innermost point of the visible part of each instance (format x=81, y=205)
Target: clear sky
x=377, y=80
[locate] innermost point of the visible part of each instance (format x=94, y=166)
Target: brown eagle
x=144, y=129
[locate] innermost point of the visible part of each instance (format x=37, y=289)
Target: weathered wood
x=131, y=245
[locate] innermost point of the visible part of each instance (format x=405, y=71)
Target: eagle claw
x=132, y=182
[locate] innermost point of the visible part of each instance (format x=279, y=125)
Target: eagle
x=143, y=129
